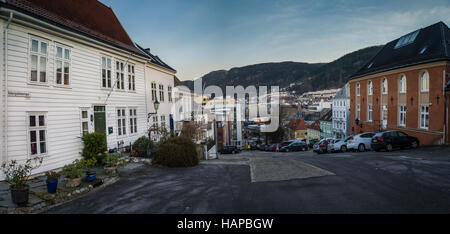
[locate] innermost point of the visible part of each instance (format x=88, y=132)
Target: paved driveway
x=407, y=181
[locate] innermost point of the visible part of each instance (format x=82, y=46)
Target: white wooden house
x=66, y=71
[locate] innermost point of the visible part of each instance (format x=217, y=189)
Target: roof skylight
x=407, y=39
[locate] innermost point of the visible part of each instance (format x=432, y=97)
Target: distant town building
x=314, y=130
x=341, y=110
x=325, y=125
x=297, y=129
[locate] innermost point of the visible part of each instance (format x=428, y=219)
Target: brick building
x=403, y=87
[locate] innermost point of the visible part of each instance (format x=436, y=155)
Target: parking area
x=403, y=181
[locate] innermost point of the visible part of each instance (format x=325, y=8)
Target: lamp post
x=155, y=106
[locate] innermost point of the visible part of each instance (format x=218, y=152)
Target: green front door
x=100, y=119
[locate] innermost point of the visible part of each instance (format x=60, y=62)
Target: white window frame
x=402, y=84
x=402, y=115
x=153, y=86
x=131, y=77
x=120, y=74
x=424, y=116
x=161, y=92
x=63, y=61
x=84, y=120
x=369, y=88
x=369, y=113
x=37, y=128
x=384, y=86
x=358, y=112
x=121, y=121
x=39, y=55
x=133, y=120
x=163, y=122
x=358, y=89
x=106, y=68
x=427, y=83
x=155, y=121
x=169, y=93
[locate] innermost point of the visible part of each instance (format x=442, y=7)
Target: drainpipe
x=445, y=106
x=5, y=60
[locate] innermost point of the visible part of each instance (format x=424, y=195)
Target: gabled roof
x=327, y=116
x=315, y=125
x=88, y=17
x=425, y=45
x=297, y=124
x=155, y=59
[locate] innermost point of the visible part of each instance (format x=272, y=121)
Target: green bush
x=176, y=152
x=141, y=145
x=111, y=160
x=94, y=146
x=73, y=170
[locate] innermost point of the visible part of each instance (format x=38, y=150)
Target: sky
x=199, y=36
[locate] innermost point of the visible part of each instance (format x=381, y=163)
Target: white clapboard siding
x=62, y=105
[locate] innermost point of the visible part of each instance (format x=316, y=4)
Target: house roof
x=155, y=59
x=297, y=124
x=88, y=17
x=315, y=125
x=327, y=116
x=343, y=93
x=425, y=45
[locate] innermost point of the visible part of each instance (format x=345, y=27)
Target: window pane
x=124, y=128
x=66, y=67
x=84, y=114
x=41, y=120
x=43, y=148
x=42, y=135
x=118, y=112
x=34, y=59
x=32, y=121
x=123, y=113
x=34, y=45
x=33, y=136
x=43, y=47
x=59, y=52
x=33, y=148
x=103, y=62
x=43, y=69
x=67, y=54
x=66, y=79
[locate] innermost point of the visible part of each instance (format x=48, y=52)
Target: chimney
x=147, y=50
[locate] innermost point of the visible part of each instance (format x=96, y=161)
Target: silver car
x=340, y=145
x=360, y=142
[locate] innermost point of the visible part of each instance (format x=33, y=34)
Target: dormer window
x=407, y=39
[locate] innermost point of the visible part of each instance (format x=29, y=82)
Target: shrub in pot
x=94, y=146
x=176, y=152
x=73, y=174
x=52, y=181
x=110, y=163
x=17, y=176
x=142, y=145
x=89, y=164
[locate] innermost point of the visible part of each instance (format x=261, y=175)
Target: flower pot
x=110, y=170
x=52, y=185
x=91, y=176
x=20, y=196
x=72, y=183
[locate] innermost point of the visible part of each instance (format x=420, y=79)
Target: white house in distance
x=67, y=71
x=341, y=110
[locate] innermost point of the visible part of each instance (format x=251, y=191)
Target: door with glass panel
x=99, y=119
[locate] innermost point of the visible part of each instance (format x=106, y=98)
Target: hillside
x=301, y=77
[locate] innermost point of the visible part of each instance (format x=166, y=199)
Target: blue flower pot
x=52, y=185
x=91, y=176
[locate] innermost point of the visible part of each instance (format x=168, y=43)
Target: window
x=369, y=114
x=407, y=39
x=402, y=116
x=62, y=63
x=119, y=75
x=131, y=78
x=424, y=117
x=358, y=111
x=37, y=129
x=133, y=121
x=38, y=56
x=358, y=89
x=155, y=121
x=424, y=82
x=106, y=72
x=384, y=86
x=163, y=121
x=84, y=122
x=169, y=93
x=121, y=122
x=161, y=93
x=402, y=84
x=153, y=91
x=369, y=88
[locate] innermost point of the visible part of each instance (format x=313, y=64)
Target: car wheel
x=389, y=147
x=361, y=148
x=344, y=148
x=233, y=152
x=415, y=144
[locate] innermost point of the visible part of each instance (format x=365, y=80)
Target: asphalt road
x=404, y=181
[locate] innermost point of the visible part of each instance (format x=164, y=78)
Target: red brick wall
x=436, y=109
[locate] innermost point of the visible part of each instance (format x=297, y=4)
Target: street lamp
x=156, y=106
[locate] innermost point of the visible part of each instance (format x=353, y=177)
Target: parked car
x=229, y=149
x=360, y=142
x=268, y=147
x=312, y=142
x=340, y=145
x=295, y=146
x=322, y=146
x=393, y=139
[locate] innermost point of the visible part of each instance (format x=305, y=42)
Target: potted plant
x=52, y=181
x=72, y=173
x=89, y=164
x=17, y=176
x=142, y=146
x=110, y=163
